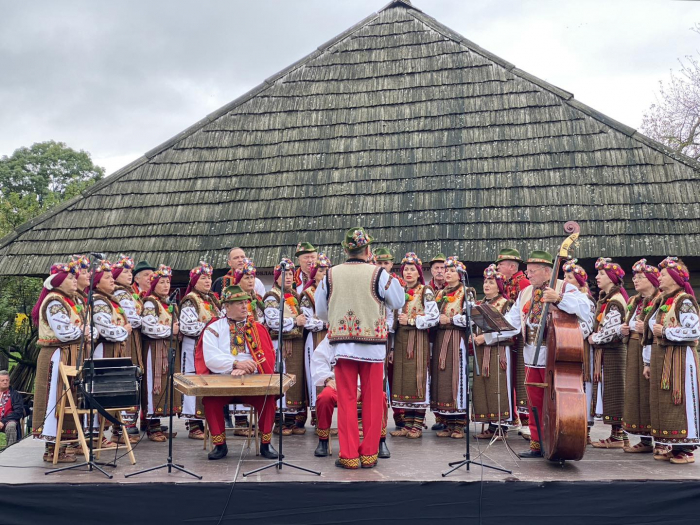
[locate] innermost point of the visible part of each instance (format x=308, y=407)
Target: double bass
x=563, y=421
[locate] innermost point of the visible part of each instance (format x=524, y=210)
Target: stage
x=606, y=486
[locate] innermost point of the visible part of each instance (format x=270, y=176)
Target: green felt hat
x=232, y=294
x=383, y=254
x=143, y=265
x=356, y=238
x=304, y=247
x=508, y=254
x=440, y=257
x=541, y=257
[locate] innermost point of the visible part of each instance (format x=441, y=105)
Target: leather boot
x=219, y=452
x=383, y=449
x=322, y=449
x=268, y=451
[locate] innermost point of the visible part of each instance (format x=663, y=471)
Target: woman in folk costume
x=198, y=307
x=609, y=356
x=294, y=402
x=315, y=329
x=155, y=327
x=577, y=277
x=61, y=328
x=493, y=400
x=448, y=378
x=411, y=354
x=245, y=277
x=81, y=263
x=636, y=416
x=671, y=364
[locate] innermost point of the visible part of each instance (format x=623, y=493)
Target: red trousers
x=535, y=398
x=214, y=414
x=372, y=385
x=326, y=402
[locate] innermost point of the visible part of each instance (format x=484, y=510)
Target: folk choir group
x=403, y=338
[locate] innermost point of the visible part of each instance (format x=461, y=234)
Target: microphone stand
x=90, y=463
x=468, y=337
x=279, y=369
x=169, y=395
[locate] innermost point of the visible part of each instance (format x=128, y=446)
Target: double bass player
x=526, y=317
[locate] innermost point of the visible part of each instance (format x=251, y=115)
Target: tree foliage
x=674, y=120
x=32, y=180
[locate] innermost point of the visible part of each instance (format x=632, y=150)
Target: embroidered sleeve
x=150, y=325
x=390, y=321
x=609, y=329
x=577, y=303
x=103, y=323
x=646, y=355
x=313, y=323
x=272, y=316
x=59, y=321
x=129, y=307
x=216, y=351
x=586, y=324
x=689, y=324
x=190, y=325
x=392, y=292
x=431, y=317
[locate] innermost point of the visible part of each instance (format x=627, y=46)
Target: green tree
x=32, y=180
x=49, y=171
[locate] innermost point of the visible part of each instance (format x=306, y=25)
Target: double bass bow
x=564, y=421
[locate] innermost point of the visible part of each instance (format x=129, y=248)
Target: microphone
x=172, y=296
x=284, y=265
x=98, y=255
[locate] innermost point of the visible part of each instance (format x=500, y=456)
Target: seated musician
x=236, y=345
x=323, y=376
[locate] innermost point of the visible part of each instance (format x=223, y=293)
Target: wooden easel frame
x=70, y=371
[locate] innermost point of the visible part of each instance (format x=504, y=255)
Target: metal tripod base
x=90, y=464
x=466, y=462
x=170, y=466
x=279, y=464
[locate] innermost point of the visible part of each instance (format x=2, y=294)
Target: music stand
x=488, y=319
x=279, y=368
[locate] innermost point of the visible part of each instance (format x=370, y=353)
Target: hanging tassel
x=666, y=370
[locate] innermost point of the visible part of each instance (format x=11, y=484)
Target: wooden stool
x=252, y=432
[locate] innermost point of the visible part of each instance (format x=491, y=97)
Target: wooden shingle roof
x=398, y=124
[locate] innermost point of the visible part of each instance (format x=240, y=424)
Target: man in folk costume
x=493, y=399
x=353, y=299
x=61, y=326
x=448, y=379
x=197, y=308
x=236, y=261
x=525, y=317
x=155, y=327
x=609, y=356
x=306, y=254
x=315, y=329
x=142, y=277
x=385, y=259
x=576, y=276
x=323, y=378
x=294, y=402
x=636, y=415
x=671, y=364
x=237, y=345
x=437, y=272
x=508, y=263
x=411, y=355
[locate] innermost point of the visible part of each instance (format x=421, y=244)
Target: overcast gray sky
x=118, y=78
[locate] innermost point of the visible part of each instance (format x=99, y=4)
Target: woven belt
x=635, y=335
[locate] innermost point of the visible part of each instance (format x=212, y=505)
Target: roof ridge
x=566, y=96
